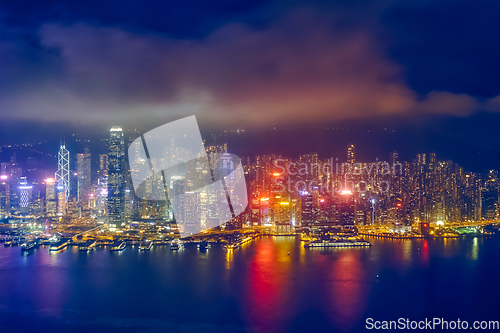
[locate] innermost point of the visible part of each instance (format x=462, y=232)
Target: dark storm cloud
x=301, y=63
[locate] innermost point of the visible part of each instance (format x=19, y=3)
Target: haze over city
x=249, y=166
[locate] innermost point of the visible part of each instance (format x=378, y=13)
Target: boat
x=28, y=245
x=15, y=242
x=175, y=245
x=7, y=243
x=120, y=246
x=59, y=245
x=204, y=245
x=88, y=246
x=338, y=243
x=44, y=241
x=146, y=245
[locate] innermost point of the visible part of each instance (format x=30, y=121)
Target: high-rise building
x=347, y=210
x=50, y=197
x=25, y=192
x=61, y=200
x=490, y=197
x=432, y=158
x=350, y=154
x=421, y=158
x=103, y=166
x=115, y=176
x=62, y=173
x=192, y=216
x=83, y=165
x=307, y=210
x=103, y=161
x=4, y=193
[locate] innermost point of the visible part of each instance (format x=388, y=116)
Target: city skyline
x=262, y=166
x=469, y=197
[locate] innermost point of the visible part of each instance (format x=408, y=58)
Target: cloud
x=302, y=67
x=443, y=102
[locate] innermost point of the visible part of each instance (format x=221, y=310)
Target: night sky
x=427, y=70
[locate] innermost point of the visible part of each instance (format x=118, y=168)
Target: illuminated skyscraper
x=4, y=193
x=116, y=155
x=62, y=173
x=83, y=177
x=432, y=158
x=61, y=200
x=307, y=210
x=490, y=197
x=347, y=211
x=24, y=195
x=192, y=218
x=350, y=154
x=103, y=166
x=421, y=158
x=50, y=197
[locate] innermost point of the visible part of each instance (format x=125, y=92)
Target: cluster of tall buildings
x=71, y=191
x=283, y=193
x=309, y=191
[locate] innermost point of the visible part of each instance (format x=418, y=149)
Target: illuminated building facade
x=63, y=171
x=4, y=193
x=83, y=164
x=351, y=158
x=307, y=210
x=116, y=155
x=25, y=192
x=347, y=209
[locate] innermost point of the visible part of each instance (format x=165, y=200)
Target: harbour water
x=271, y=284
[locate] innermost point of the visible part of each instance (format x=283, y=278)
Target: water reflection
x=271, y=285
x=229, y=258
x=474, y=250
x=267, y=295
x=51, y=288
x=348, y=290
x=425, y=253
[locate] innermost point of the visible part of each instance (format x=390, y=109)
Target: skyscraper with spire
x=62, y=173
